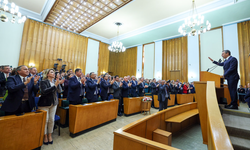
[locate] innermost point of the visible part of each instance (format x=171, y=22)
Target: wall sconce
x=31, y=65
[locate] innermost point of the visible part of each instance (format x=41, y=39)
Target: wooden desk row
x=22, y=132
x=83, y=117
x=140, y=134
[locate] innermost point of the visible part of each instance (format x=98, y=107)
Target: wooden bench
x=142, y=134
x=184, y=98
x=132, y=105
x=88, y=116
x=183, y=116
x=171, y=102
x=22, y=132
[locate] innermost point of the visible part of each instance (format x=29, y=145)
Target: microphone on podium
x=212, y=68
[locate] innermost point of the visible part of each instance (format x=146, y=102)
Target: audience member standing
x=125, y=91
x=66, y=85
x=141, y=86
x=3, y=79
x=163, y=95
x=134, y=87
x=105, y=87
x=117, y=86
x=76, y=88
x=21, y=92
x=49, y=101
x=92, y=88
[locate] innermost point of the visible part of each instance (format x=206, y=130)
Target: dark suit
x=125, y=89
x=66, y=88
x=105, y=85
x=76, y=91
x=192, y=90
x=154, y=91
x=91, y=90
x=163, y=96
x=2, y=84
x=13, y=103
x=141, y=89
x=230, y=67
x=133, y=89
x=117, y=94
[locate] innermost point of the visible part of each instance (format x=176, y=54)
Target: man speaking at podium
x=230, y=66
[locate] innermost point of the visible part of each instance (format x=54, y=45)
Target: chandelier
x=117, y=46
x=194, y=24
x=14, y=10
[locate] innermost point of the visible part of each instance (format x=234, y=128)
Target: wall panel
x=244, y=50
x=174, y=58
x=103, y=61
x=43, y=45
x=123, y=64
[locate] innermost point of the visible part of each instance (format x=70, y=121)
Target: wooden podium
x=222, y=90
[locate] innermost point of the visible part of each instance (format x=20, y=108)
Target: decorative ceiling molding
x=94, y=36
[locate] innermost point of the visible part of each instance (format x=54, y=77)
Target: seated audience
x=241, y=90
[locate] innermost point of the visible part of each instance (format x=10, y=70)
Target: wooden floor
x=102, y=138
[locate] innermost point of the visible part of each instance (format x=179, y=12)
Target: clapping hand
x=57, y=82
x=157, y=85
x=28, y=80
x=36, y=78
x=62, y=81
x=98, y=80
x=146, y=86
x=112, y=81
x=121, y=84
x=83, y=80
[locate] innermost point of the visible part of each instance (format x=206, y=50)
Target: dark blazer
x=66, y=88
x=162, y=92
x=15, y=93
x=2, y=82
x=92, y=86
x=104, y=88
x=74, y=90
x=48, y=93
x=192, y=90
x=153, y=87
x=230, y=67
x=117, y=90
x=133, y=88
x=125, y=89
x=140, y=89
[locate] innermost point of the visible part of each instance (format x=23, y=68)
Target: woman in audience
x=48, y=102
x=66, y=84
x=185, y=88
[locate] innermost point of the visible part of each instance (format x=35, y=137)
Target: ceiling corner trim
x=173, y=19
x=95, y=36
x=46, y=9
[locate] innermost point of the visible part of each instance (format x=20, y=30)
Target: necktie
x=26, y=92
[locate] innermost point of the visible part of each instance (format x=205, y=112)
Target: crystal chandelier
x=194, y=24
x=14, y=10
x=117, y=46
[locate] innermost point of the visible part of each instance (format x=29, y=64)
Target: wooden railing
x=213, y=128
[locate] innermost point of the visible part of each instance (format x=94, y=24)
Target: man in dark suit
x=92, y=88
x=105, y=87
x=21, y=92
x=76, y=88
x=125, y=91
x=141, y=86
x=134, y=84
x=117, y=86
x=154, y=90
x=192, y=88
x=163, y=94
x=3, y=78
x=230, y=66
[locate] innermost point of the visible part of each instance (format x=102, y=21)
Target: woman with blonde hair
x=48, y=101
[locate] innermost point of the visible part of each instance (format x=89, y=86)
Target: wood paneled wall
x=244, y=50
x=174, y=58
x=123, y=64
x=103, y=61
x=43, y=45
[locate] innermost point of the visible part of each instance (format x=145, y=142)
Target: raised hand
x=112, y=82
x=98, y=80
x=210, y=59
x=157, y=85
x=28, y=80
x=83, y=80
x=121, y=84
x=146, y=86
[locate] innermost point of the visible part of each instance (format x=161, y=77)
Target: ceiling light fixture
x=194, y=24
x=14, y=10
x=117, y=46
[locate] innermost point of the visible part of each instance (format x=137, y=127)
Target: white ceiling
x=140, y=13
x=33, y=5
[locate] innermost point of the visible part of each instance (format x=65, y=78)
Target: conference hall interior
x=124, y=75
